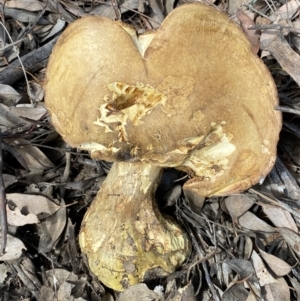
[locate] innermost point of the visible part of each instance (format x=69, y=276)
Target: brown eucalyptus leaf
x=234, y=5
x=27, y=272
x=261, y=271
x=8, y=95
x=169, y=6
x=30, y=5
x=251, y=222
x=288, y=10
x=17, y=218
x=185, y=293
x=277, y=291
x=9, y=180
x=280, y=49
x=36, y=92
x=139, y=291
x=29, y=112
x=33, y=156
x=62, y=281
x=292, y=189
x=47, y=293
x=58, y=8
x=251, y=297
x=292, y=238
x=278, y=266
x=9, y=119
x=238, y=204
x=35, y=204
x=42, y=30
x=50, y=230
x=252, y=35
x=25, y=16
x=13, y=249
x=235, y=291
x=60, y=24
x=108, y=11
x=245, y=250
x=4, y=270
x=296, y=286
x=195, y=200
x=280, y=217
x=246, y=271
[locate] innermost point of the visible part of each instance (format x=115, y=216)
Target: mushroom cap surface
x=192, y=96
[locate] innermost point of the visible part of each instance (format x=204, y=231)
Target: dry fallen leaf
x=8, y=95
x=8, y=119
x=251, y=222
x=13, y=249
x=50, y=230
x=29, y=112
x=288, y=10
x=33, y=156
x=62, y=283
x=291, y=238
x=9, y=180
x=141, y=292
x=238, y=204
x=26, y=270
x=277, y=291
x=31, y=5
x=235, y=291
x=262, y=273
x=279, y=217
x=246, y=271
x=35, y=204
x=278, y=266
x=17, y=218
x=60, y=24
x=296, y=286
x=252, y=35
x=4, y=269
x=277, y=45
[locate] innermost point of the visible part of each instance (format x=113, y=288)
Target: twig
x=287, y=110
x=275, y=202
x=250, y=7
x=287, y=58
x=18, y=56
x=32, y=61
x=27, y=29
x=216, y=296
x=66, y=174
x=115, y=5
x=2, y=204
x=278, y=27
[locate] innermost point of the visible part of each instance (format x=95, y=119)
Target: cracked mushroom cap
x=190, y=95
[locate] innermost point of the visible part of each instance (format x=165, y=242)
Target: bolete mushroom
x=190, y=95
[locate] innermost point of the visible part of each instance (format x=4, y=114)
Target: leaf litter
x=245, y=247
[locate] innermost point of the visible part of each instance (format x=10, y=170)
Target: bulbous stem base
x=125, y=237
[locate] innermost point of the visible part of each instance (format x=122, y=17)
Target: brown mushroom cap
x=196, y=97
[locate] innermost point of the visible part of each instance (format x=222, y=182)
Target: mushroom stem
x=125, y=237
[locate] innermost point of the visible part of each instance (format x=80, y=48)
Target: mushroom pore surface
x=190, y=95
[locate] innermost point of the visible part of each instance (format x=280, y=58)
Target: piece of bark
x=32, y=62
x=288, y=59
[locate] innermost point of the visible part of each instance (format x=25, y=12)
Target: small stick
x=3, y=213
x=115, y=5
x=287, y=110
